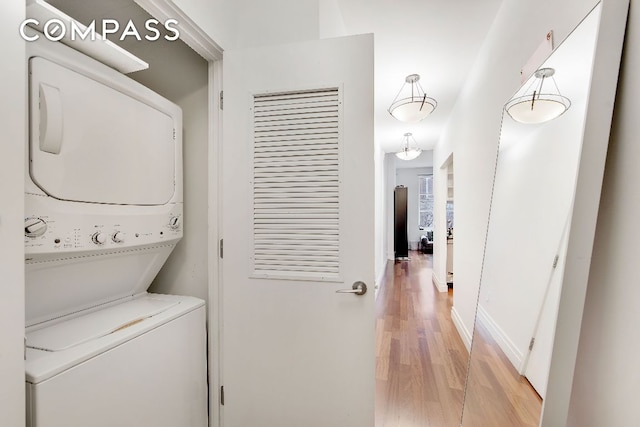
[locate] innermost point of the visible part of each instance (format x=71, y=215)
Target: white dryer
x=103, y=213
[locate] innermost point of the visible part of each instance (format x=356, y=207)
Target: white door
x=298, y=203
x=538, y=361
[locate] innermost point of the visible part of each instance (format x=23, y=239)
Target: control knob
x=174, y=222
x=99, y=238
x=118, y=237
x=34, y=227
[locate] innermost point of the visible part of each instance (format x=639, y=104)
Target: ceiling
x=438, y=39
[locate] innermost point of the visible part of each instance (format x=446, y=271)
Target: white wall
x=217, y=18
x=331, y=22
x=12, y=150
x=246, y=23
x=186, y=270
x=263, y=23
x=607, y=375
x=409, y=177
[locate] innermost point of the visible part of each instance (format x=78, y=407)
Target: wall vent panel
x=296, y=185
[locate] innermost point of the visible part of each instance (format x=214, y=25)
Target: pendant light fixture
x=409, y=151
x=534, y=105
x=412, y=104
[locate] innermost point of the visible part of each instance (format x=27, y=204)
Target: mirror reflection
x=526, y=242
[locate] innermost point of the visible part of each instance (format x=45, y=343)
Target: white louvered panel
x=295, y=149
x=289, y=218
x=277, y=186
x=297, y=179
x=296, y=211
x=281, y=206
x=296, y=185
x=318, y=120
x=309, y=163
x=321, y=171
x=300, y=153
x=299, y=239
x=320, y=253
x=300, y=158
x=298, y=234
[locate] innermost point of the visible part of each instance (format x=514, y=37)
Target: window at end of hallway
x=425, y=202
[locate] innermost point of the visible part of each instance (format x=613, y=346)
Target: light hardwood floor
x=421, y=362
x=497, y=395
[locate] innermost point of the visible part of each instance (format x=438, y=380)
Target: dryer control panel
x=57, y=232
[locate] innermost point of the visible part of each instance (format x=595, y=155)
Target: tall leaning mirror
x=540, y=233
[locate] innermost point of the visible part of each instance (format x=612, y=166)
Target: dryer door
x=90, y=142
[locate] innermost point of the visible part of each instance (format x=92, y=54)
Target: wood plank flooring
x=497, y=395
x=421, y=361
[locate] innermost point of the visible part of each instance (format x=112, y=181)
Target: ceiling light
x=412, y=104
x=535, y=106
x=409, y=152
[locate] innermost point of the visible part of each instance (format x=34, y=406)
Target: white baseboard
x=462, y=331
x=440, y=285
x=501, y=338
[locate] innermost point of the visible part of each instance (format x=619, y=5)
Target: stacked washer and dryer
x=103, y=214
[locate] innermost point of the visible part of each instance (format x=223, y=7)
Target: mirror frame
x=602, y=93
x=584, y=213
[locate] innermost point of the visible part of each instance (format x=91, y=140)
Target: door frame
x=207, y=48
x=12, y=171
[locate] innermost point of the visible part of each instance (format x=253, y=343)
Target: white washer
x=103, y=213
x=152, y=373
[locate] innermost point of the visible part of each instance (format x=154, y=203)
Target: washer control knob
x=99, y=238
x=34, y=227
x=174, y=222
x=118, y=237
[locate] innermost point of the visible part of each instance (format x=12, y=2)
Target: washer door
x=90, y=142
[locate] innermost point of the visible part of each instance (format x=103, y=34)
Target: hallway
x=421, y=362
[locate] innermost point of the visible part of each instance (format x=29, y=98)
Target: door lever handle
x=358, y=288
